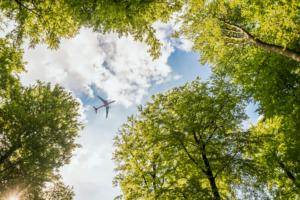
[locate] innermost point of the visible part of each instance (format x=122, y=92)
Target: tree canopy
x=216, y=27
x=190, y=144
x=48, y=21
x=253, y=43
x=277, y=152
x=11, y=59
x=38, y=128
x=187, y=144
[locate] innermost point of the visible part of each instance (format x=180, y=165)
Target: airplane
x=106, y=104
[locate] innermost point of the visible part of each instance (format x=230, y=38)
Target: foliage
x=216, y=27
x=239, y=39
x=11, y=64
x=272, y=80
x=278, y=153
x=58, y=190
x=55, y=190
x=134, y=17
x=48, y=21
x=39, y=21
x=187, y=144
x=38, y=128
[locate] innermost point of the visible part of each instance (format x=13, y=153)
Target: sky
x=93, y=64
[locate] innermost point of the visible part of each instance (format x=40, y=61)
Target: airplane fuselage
x=109, y=103
x=105, y=105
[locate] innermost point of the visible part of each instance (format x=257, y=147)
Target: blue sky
x=115, y=69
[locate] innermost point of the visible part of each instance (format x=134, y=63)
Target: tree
x=58, y=190
x=134, y=17
x=277, y=151
x=50, y=191
x=187, y=144
x=44, y=22
x=216, y=27
x=48, y=21
x=38, y=126
x=11, y=64
x=270, y=79
x=255, y=44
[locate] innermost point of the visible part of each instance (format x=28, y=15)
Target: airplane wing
x=107, y=107
x=105, y=102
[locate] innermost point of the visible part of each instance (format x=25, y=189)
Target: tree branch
x=288, y=173
x=211, y=135
x=236, y=44
x=233, y=31
x=269, y=47
x=259, y=73
x=26, y=8
x=11, y=150
x=235, y=38
x=214, y=118
x=229, y=161
x=191, y=157
x=235, y=26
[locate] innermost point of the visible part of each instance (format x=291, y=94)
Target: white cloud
x=91, y=156
x=82, y=111
x=120, y=67
x=93, y=160
x=176, y=77
x=75, y=159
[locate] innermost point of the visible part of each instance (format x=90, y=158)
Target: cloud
x=176, y=77
x=82, y=111
x=91, y=156
x=121, y=68
x=78, y=153
x=93, y=160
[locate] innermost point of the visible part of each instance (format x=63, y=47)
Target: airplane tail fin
x=95, y=109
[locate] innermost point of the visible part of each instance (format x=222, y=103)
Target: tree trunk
x=211, y=178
